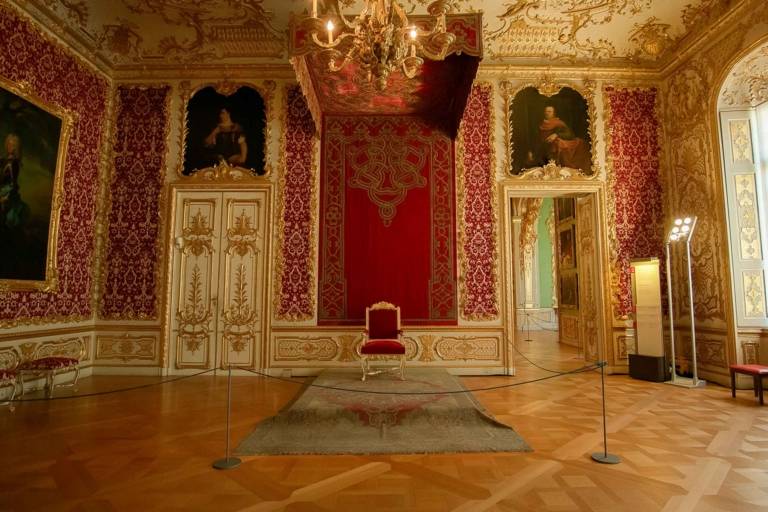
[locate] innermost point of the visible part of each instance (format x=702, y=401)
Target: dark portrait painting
x=225, y=129
x=569, y=290
x=550, y=128
x=568, y=247
x=30, y=138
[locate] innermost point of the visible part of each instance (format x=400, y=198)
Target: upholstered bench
x=757, y=371
x=49, y=368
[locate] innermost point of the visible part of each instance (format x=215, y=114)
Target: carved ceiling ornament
x=747, y=84
x=652, y=38
x=141, y=34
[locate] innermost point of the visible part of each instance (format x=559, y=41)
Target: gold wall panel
x=197, y=279
x=126, y=348
x=465, y=348
x=754, y=293
x=747, y=217
x=219, y=281
x=305, y=348
x=741, y=140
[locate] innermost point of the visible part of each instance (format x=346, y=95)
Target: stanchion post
x=228, y=462
x=604, y=457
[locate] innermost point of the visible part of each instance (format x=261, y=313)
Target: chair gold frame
x=364, y=361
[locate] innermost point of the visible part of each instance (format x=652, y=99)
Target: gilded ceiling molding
x=651, y=38
x=265, y=88
x=528, y=29
x=547, y=86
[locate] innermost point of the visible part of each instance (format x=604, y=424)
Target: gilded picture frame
x=32, y=198
x=548, y=168
x=225, y=90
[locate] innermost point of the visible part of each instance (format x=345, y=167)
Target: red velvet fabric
x=383, y=347
x=480, y=294
x=382, y=323
x=59, y=77
x=638, y=220
x=48, y=363
x=7, y=375
x=750, y=369
x=387, y=220
x=296, y=241
x=134, y=250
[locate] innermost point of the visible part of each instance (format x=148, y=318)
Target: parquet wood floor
x=151, y=449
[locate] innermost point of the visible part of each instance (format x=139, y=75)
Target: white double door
x=218, y=279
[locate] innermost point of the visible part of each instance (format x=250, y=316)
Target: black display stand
x=650, y=368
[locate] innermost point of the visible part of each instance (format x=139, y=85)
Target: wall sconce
x=682, y=231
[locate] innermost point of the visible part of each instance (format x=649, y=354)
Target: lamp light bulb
x=687, y=220
x=686, y=228
x=329, y=26
x=413, y=33
x=673, y=237
x=675, y=229
x=678, y=222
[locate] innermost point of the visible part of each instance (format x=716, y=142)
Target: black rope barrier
x=111, y=391
x=582, y=369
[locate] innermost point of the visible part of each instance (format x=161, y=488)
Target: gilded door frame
x=512, y=188
x=214, y=184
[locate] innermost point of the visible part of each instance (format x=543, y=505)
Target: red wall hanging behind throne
x=387, y=220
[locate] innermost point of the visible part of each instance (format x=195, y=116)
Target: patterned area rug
x=325, y=421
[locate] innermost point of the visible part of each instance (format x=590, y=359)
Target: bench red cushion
x=383, y=347
x=750, y=369
x=7, y=375
x=48, y=363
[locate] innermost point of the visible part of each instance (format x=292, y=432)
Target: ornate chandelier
x=380, y=39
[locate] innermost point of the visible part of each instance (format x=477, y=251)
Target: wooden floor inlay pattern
x=152, y=449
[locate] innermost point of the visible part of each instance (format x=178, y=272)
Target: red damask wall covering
x=134, y=251
x=636, y=186
x=480, y=298
x=295, y=301
x=387, y=219
x=26, y=55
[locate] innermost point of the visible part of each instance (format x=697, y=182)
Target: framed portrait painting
x=34, y=137
x=225, y=129
x=569, y=290
x=568, y=248
x=565, y=207
x=547, y=129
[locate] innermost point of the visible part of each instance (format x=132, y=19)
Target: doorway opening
x=556, y=285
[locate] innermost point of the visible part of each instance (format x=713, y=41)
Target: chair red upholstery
x=757, y=371
x=382, y=337
x=383, y=347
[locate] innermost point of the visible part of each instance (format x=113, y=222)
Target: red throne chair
x=382, y=338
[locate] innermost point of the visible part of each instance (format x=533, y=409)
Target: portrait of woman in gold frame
x=34, y=137
x=225, y=128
